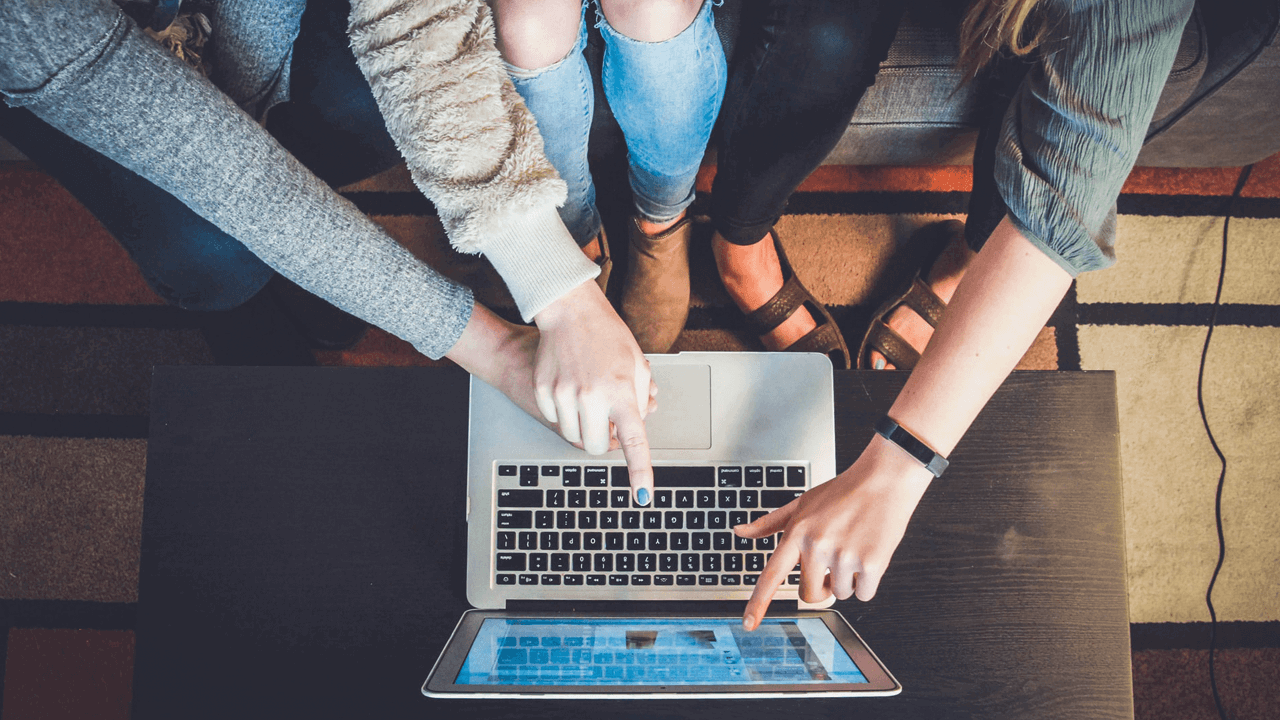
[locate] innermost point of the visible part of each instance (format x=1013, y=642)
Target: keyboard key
x=662, y=579
x=778, y=498
x=733, y=562
x=635, y=541
x=528, y=541
x=571, y=540
x=592, y=541
x=775, y=476
x=730, y=580
x=550, y=579
x=647, y=562
x=741, y=543
x=721, y=541
x=795, y=476
x=695, y=520
x=625, y=562
x=751, y=498
x=519, y=498
x=529, y=475
x=668, y=562
x=595, y=579
x=748, y=579
x=613, y=541
x=544, y=519
x=595, y=476
x=753, y=476
x=577, y=498
x=515, y=519
x=679, y=541
x=701, y=541
x=599, y=498
x=652, y=520
x=506, y=471
x=730, y=477
x=710, y=562
x=572, y=477
x=506, y=578
x=609, y=520
x=572, y=579
x=602, y=562
x=528, y=579
x=618, y=580
x=686, y=579
x=689, y=562
x=755, y=562
x=581, y=562
x=666, y=476
x=708, y=580
x=738, y=517
x=506, y=540
x=765, y=543
x=716, y=520
x=657, y=541
x=631, y=520
x=566, y=519
x=706, y=498
x=640, y=579
x=684, y=498
x=729, y=498
x=560, y=562
x=619, y=498
x=673, y=519
x=663, y=498
x=538, y=562
x=587, y=519
x=793, y=579
x=555, y=498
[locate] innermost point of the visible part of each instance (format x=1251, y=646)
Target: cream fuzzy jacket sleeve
x=471, y=145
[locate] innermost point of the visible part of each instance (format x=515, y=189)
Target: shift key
x=519, y=498
x=778, y=498
x=515, y=518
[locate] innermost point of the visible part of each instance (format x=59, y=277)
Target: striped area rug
x=80, y=330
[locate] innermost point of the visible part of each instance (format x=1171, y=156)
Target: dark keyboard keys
x=595, y=477
x=510, y=562
x=550, y=471
x=730, y=580
x=507, y=471
x=696, y=520
x=544, y=519
x=751, y=498
x=721, y=541
x=686, y=477
x=652, y=520
x=708, y=580
x=592, y=541
x=662, y=580
x=765, y=543
x=778, y=498
x=729, y=477
x=729, y=498
x=549, y=541
x=528, y=579
x=577, y=498
x=602, y=563
x=515, y=519
x=710, y=562
x=528, y=541
x=619, y=476
x=673, y=520
x=640, y=580
x=619, y=498
x=550, y=579
x=506, y=540
x=581, y=562
x=755, y=562
x=613, y=541
x=679, y=540
x=733, y=562
x=737, y=518
x=571, y=540
x=668, y=562
x=795, y=476
x=587, y=519
x=538, y=562
x=793, y=579
x=688, y=563
x=609, y=520
x=595, y=579
x=647, y=562
x=753, y=476
x=716, y=521
x=684, y=498
x=566, y=519
x=519, y=498
x=635, y=540
x=506, y=578
x=741, y=543
x=560, y=562
x=686, y=579
x=599, y=498
x=617, y=579
x=746, y=579
x=625, y=562
x=663, y=498
x=631, y=520
x=529, y=475
x=555, y=498
x=706, y=498
x=775, y=476
x=572, y=579
x=701, y=541
x=572, y=477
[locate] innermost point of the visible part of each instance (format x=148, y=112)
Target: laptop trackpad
x=683, y=417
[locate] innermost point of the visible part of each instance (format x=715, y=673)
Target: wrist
x=886, y=459
x=570, y=307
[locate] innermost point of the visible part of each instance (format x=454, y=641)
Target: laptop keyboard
x=578, y=525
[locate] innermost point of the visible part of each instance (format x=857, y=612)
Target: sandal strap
x=779, y=307
x=925, y=302
x=822, y=339
x=890, y=344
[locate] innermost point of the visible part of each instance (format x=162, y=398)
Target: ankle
x=750, y=273
x=649, y=227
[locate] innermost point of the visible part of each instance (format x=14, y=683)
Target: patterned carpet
x=80, y=330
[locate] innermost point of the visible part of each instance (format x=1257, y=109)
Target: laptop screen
x=655, y=651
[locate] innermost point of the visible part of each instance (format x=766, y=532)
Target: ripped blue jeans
x=665, y=96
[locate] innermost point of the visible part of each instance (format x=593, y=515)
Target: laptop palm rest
x=683, y=418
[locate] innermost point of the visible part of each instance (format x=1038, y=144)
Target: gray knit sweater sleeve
x=471, y=145
x=88, y=71
x=1074, y=128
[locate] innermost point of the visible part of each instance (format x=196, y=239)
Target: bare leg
x=752, y=274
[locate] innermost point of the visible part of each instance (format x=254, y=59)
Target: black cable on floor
x=1217, y=502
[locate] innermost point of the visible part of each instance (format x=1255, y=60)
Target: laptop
x=580, y=593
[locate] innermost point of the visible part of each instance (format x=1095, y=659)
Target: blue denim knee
x=666, y=96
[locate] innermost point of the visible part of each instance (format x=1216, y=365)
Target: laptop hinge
x=655, y=607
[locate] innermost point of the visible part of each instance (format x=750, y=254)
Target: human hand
x=592, y=381
x=843, y=532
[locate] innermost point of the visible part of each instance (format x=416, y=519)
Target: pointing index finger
x=635, y=448
x=775, y=571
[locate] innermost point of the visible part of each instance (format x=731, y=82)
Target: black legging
x=801, y=71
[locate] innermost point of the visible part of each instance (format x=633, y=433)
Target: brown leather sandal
x=825, y=338
x=916, y=295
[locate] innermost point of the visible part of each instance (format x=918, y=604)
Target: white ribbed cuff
x=538, y=259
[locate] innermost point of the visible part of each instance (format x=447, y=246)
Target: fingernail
x=748, y=621
x=642, y=496
x=879, y=363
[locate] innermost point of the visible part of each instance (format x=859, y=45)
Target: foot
x=752, y=275
x=944, y=277
x=655, y=295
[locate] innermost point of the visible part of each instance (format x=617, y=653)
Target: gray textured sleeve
x=89, y=72
x=1074, y=128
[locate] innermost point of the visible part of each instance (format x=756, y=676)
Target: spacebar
x=666, y=476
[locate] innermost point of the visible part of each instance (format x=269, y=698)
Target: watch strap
x=890, y=430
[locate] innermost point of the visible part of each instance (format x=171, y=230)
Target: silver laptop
x=552, y=529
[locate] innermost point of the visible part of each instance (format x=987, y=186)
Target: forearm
x=1005, y=298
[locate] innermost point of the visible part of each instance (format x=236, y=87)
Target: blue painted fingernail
x=879, y=363
x=642, y=496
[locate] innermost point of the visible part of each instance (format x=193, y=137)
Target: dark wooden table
x=303, y=550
